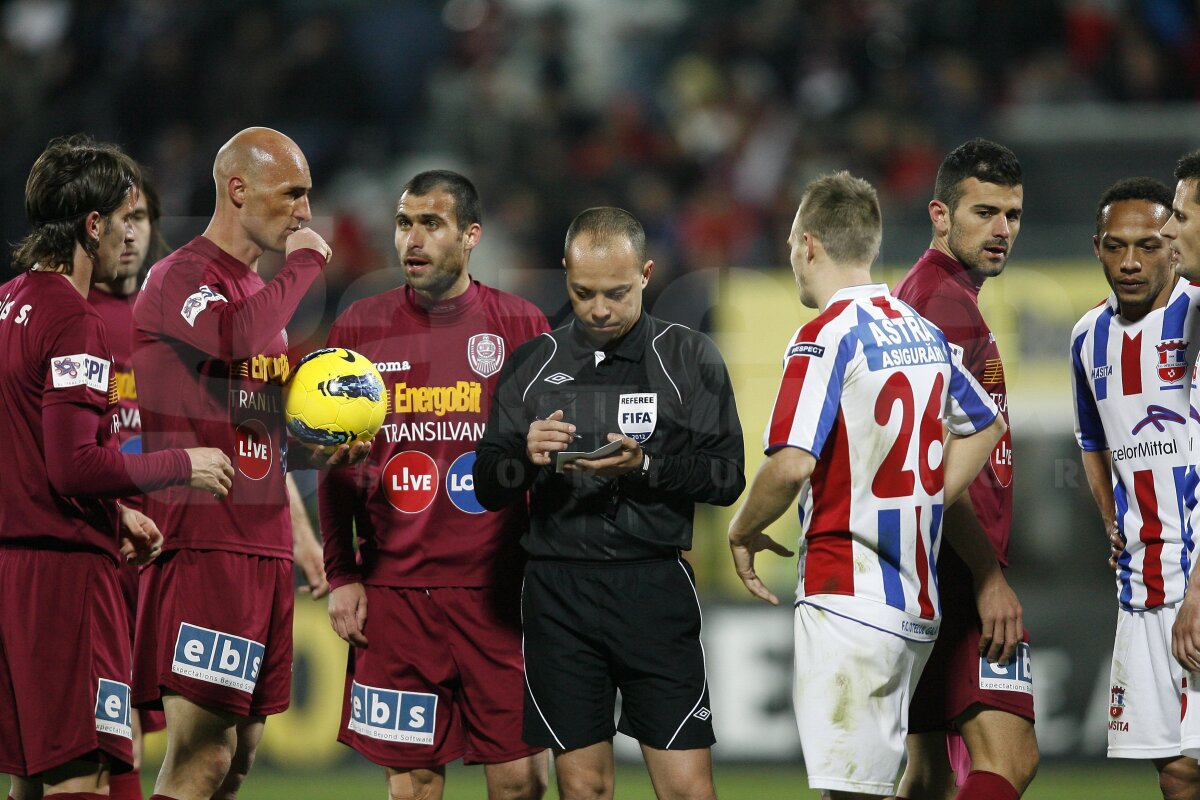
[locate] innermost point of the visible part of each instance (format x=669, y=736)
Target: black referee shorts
x=592, y=629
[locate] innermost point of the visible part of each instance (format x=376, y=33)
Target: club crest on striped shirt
x=1172, y=360
x=485, y=354
x=637, y=414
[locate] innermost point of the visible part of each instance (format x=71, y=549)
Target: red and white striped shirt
x=1131, y=398
x=866, y=389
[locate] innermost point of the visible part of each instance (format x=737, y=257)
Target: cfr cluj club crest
x=1172, y=360
x=1116, y=705
x=485, y=354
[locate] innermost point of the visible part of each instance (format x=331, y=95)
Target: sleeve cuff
x=338, y=581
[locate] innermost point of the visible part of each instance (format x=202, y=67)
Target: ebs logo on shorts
x=1015, y=676
x=112, y=708
x=217, y=657
x=391, y=715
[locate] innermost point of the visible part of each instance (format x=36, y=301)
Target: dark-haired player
x=977, y=683
x=64, y=639
x=1130, y=358
x=113, y=301
x=1182, y=232
x=430, y=607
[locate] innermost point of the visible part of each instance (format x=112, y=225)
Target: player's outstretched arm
x=1096, y=466
x=78, y=466
x=772, y=492
x=212, y=471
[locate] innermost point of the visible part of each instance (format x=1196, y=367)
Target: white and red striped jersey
x=1131, y=399
x=866, y=388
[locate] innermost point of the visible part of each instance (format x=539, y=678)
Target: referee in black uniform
x=608, y=601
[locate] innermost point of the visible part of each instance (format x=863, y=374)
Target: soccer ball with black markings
x=335, y=396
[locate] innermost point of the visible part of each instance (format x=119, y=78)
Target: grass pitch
x=1102, y=781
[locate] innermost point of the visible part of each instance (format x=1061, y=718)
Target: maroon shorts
x=64, y=661
x=151, y=721
x=216, y=628
x=956, y=676
x=441, y=679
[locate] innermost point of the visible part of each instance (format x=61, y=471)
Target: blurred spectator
x=703, y=118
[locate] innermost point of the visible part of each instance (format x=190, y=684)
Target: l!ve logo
x=1002, y=459
x=410, y=481
x=254, y=456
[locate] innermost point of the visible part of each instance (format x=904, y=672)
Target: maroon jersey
x=117, y=312
x=418, y=522
x=210, y=354
x=939, y=288
x=52, y=350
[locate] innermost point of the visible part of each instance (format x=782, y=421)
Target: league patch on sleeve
x=197, y=303
x=806, y=349
x=80, y=370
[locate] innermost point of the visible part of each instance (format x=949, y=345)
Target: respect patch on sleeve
x=198, y=302
x=80, y=370
x=806, y=349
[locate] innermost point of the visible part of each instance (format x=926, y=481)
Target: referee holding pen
x=608, y=602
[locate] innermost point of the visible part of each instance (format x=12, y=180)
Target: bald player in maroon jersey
x=114, y=300
x=977, y=686
x=214, y=629
x=431, y=603
x=64, y=639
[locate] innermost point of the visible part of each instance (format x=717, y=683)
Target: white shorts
x=852, y=688
x=1146, y=687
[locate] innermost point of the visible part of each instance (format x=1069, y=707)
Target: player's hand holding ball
x=335, y=404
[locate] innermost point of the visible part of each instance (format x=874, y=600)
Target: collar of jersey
x=855, y=292
x=632, y=346
x=953, y=268
x=450, y=310
x=1116, y=307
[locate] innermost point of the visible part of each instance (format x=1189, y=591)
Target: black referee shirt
x=663, y=385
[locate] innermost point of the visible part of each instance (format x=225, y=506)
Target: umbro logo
x=702, y=714
x=559, y=378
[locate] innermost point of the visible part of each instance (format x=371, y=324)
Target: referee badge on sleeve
x=636, y=415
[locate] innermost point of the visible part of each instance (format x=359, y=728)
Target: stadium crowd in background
x=706, y=122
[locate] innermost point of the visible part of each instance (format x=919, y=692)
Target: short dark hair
x=466, y=198
x=159, y=249
x=609, y=222
x=842, y=211
x=980, y=159
x=1188, y=168
x=1149, y=189
x=74, y=176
